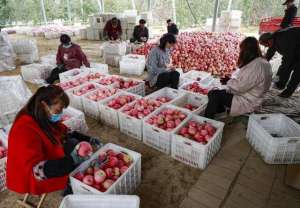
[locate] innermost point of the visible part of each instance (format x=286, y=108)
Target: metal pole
x=44, y=12
x=100, y=6
x=229, y=5
x=69, y=10
x=103, y=5
x=133, y=4
x=81, y=8
x=174, y=10
x=215, y=15
x=149, y=5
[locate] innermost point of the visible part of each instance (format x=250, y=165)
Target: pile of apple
x=163, y=99
x=120, y=101
x=141, y=108
x=190, y=107
x=85, y=89
x=126, y=83
x=216, y=53
x=101, y=94
x=105, y=170
x=195, y=87
x=168, y=119
x=199, y=132
x=72, y=83
x=3, y=150
x=93, y=76
x=109, y=80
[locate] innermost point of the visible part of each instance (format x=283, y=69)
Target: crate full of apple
x=195, y=87
x=111, y=170
x=196, y=141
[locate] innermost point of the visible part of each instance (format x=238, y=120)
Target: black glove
x=96, y=144
x=224, y=80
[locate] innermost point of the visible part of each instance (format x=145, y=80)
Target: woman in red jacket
x=41, y=152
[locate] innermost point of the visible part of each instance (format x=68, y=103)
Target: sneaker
x=285, y=94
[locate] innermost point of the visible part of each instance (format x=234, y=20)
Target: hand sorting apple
x=195, y=87
x=105, y=170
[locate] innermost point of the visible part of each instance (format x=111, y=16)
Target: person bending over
x=244, y=92
x=69, y=56
x=160, y=71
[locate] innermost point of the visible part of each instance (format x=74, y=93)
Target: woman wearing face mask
x=160, y=71
x=41, y=150
x=244, y=92
x=69, y=56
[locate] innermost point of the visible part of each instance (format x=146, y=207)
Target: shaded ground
x=237, y=177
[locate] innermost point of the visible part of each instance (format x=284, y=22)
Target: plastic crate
x=275, y=137
x=8, y=118
x=97, y=68
x=72, y=74
x=76, y=100
x=76, y=121
x=138, y=89
x=272, y=24
x=196, y=100
x=194, y=75
x=115, y=48
x=109, y=115
x=91, y=107
x=183, y=88
x=166, y=92
x=133, y=64
x=36, y=73
x=156, y=137
x=193, y=153
x=126, y=184
x=3, y=139
x=105, y=201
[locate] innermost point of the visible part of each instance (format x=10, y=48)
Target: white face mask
x=67, y=45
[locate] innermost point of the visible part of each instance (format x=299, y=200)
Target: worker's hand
x=76, y=158
x=96, y=144
x=224, y=80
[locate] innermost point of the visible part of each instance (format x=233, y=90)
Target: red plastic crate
x=272, y=24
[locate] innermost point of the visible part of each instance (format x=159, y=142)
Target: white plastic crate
x=111, y=59
x=196, y=100
x=105, y=201
x=49, y=60
x=98, y=67
x=204, y=78
x=91, y=107
x=109, y=115
x=72, y=74
x=126, y=184
x=7, y=118
x=115, y=48
x=156, y=137
x=138, y=89
x=36, y=73
x=76, y=121
x=166, y=92
x=183, y=88
x=275, y=137
x=3, y=139
x=76, y=100
x=132, y=64
x=194, y=153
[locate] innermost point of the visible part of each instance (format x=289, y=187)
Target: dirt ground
x=237, y=177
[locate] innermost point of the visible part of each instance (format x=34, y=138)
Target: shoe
x=286, y=94
x=278, y=87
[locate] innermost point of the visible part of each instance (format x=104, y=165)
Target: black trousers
x=217, y=101
x=55, y=74
x=289, y=77
x=168, y=79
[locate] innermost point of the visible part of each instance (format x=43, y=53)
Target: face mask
x=67, y=45
x=56, y=117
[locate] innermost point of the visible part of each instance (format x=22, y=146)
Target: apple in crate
x=109, y=80
x=105, y=169
x=83, y=90
x=125, y=84
x=195, y=87
x=120, y=101
x=190, y=107
x=163, y=99
x=85, y=149
x=199, y=132
x=100, y=94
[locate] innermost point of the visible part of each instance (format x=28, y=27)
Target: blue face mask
x=56, y=117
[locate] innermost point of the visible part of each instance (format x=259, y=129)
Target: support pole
x=81, y=8
x=133, y=4
x=99, y=6
x=69, y=10
x=44, y=12
x=103, y=5
x=149, y=5
x=229, y=5
x=174, y=10
x=215, y=15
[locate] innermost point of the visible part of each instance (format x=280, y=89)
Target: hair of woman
x=166, y=38
x=249, y=50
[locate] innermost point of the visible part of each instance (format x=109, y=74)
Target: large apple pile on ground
x=216, y=53
x=3, y=151
x=168, y=119
x=105, y=170
x=199, y=132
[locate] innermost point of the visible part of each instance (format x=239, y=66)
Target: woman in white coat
x=244, y=92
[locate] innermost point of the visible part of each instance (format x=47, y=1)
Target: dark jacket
x=112, y=33
x=173, y=29
x=139, y=32
x=289, y=15
x=287, y=43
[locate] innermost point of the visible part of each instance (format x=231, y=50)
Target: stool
x=26, y=204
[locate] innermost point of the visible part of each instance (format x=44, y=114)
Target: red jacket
x=72, y=57
x=29, y=145
x=111, y=32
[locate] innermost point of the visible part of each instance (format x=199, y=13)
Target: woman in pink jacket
x=244, y=91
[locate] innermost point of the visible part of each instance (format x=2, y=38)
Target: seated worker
x=42, y=152
x=244, y=92
x=113, y=29
x=172, y=27
x=69, y=56
x=160, y=71
x=140, y=33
